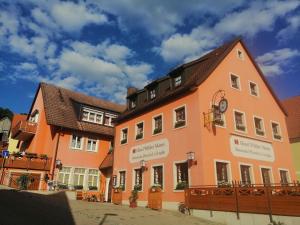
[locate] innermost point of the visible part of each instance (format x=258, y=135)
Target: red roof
x=107, y=161
x=292, y=106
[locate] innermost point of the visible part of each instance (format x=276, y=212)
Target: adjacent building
x=207, y=122
x=13, y=144
x=66, y=138
x=292, y=106
x=5, y=124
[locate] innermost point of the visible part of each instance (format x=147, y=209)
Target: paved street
x=22, y=208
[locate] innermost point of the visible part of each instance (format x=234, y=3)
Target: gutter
x=55, y=155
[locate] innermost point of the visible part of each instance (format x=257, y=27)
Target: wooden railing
x=26, y=163
x=24, y=130
x=275, y=199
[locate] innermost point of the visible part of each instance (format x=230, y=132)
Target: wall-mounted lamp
x=191, y=159
x=58, y=164
x=143, y=165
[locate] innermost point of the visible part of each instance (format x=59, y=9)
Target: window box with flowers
x=124, y=141
x=157, y=130
x=181, y=185
x=139, y=136
x=180, y=123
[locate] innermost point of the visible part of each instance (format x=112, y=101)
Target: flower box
x=180, y=123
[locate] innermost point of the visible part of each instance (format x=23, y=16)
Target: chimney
x=131, y=90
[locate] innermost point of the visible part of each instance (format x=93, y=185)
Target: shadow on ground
x=22, y=208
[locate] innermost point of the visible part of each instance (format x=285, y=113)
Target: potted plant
x=156, y=188
x=119, y=189
x=62, y=186
x=179, y=123
x=133, y=198
x=43, y=156
x=181, y=185
x=157, y=130
x=24, y=181
x=93, y=188
x=78, y=187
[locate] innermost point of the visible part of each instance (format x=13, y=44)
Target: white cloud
x=274, y=62
x=73, y=17
x=259, y=16
x=289, y=31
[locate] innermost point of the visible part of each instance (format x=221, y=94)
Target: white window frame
x=280, y=131
x=177, y=81
x=239, y=81
x=271, y=173
x=81, y=142
x=288, y=174
x=84, y=176
x=64, y=173
x=119, y=176
x=244, y=120
x=174, y=116
x=262, y=124
x=152, y=93
x=96, y=147
x=175, y=175
x=111, y=117
x=133, y=179
x=257, y=89
x=238, y=55
x=88, y=175
x=121, y=135
x=228, y=170
x=252, y=177
x=153, y=124
x=136, y=130
x=163, y=173
x=96, y=112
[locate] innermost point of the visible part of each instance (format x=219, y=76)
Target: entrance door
x=35, y=180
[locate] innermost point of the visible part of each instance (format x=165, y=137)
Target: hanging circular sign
x=223, y=105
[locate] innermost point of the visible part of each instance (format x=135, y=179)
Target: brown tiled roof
x=292, y=106
x=17, y=118
x=62, y=108
x=107, y=161
x=196, y=71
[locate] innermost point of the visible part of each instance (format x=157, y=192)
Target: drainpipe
x=55, y=155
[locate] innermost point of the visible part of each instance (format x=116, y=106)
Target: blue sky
x=101, y=47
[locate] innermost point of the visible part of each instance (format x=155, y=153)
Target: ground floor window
x=122, y=179
x=92, y=178
x=266, y=176
x=245, y=174
x=78, y=177
x=182, y=175
x=138, y=179
x=158, y=175
x=284, y=178
x=64, y=175
x=222, y=173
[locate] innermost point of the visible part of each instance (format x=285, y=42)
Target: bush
x=181, y=185
x=78, y=187
x=137, y=187
x=24, y=181
x=62, y=186
x=93, y=188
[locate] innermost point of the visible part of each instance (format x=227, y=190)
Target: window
x=239, y=118
x=240, y=54
x=182, y=175
x=179, y=115
x=235, y=81
x=222, y=173
x=152, y=94
x=284, y=177
x=93, y=178
x=138, y=179
x=157, y=124
x=253, y=89
x=132, y=103
x=92, y=145
x=276, y=131
x=158, y=176
x=259, y=126
x=34, y=117
x=78, y=177
x=266, y=176
x=64, y=175
x=122, y=179
x=124, y=135
x=76, y=142
x=91, y=115
x=245, y=174
x=108, y=119
x=139, y=131
x=177, y=81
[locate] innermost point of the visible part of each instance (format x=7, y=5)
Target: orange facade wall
x=208, y=145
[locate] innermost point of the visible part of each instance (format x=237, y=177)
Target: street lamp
x=143, y=165
x=191, y=158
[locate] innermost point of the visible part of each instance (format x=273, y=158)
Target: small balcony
x=24, y=130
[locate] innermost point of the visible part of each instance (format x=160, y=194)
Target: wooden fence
x=273, y=199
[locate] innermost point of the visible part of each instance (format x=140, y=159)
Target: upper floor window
x=276, y=131
x=91, y=115
x=259, y=126
x=239, y=119
x=240, y=54
x=253, y=88
x=157, y=124
x=34, y=117
x=124, y=135
x=235, y=81
x=76, y=142
x=139, y=131
x=132, y=103
x=152, y=94
x=91, y=145
x=179, y=117
x=177, y=81
x=108, y=119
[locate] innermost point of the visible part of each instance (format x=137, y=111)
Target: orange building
x=66, y=137
x=207, y=122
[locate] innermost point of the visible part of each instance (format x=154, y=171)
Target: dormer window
x=34, y=117
x=108, y=119
x=91, y=115
x=132, y=103
x=177, y=81
x=152, y=94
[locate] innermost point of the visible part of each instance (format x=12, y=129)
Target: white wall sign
x=151, y=150
x=252, y=149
